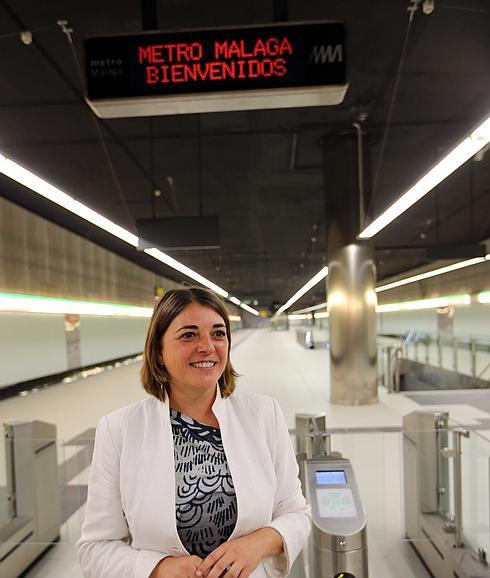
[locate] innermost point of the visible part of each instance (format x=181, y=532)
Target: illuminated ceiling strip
x=296, y=317
x=415, y=305
x=309, y=285
x=15, y=302
x=23, y=303
x=407, y=280
x=308, y=309
x=321, y=315
x=235, y=300
x=478, y=139
x=24, y=177
x=249, y=309
x=178, y=266
x=21, y=175
x=483, y=297
x=425, y=303
x=432, y=273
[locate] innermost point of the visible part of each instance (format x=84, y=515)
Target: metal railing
x=469, y=357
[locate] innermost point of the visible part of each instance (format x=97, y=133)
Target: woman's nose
x=205, y=344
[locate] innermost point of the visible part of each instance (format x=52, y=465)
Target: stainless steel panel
x=327, y=563
x=308, y=423
x=340, y=542
x=427, y=430
x=352, y=321
x=411, y=488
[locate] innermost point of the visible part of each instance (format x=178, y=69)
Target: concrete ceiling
x=272, y=215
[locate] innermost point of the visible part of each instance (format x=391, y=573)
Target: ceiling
x=239, y=165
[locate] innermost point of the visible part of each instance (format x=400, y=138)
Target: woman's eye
x=188, y=335
x=220, y=334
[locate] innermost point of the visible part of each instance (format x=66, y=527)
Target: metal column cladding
x=352, y=320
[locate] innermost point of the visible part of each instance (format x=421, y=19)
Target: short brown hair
x=154, y=375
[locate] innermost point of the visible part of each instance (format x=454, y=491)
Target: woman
x=195, y=480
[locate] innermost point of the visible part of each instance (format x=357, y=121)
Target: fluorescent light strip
x=235, y=300
x=23, y=303
x=433, y=273
x=425, y=303
x=478, y=139
x=178, y=266
x=407, y=280
x=321, y=315
x=249, y=309
x=483, y=297
x=15, y=302
x=296, y=317
x=23, y=176
x=309, y=285
x=308, y=309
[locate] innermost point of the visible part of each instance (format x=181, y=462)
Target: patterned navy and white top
x=205, y=500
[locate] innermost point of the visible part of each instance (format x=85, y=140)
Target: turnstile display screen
x=336, y=503
x=330, y=477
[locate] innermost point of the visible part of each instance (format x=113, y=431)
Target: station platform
x=271, y=363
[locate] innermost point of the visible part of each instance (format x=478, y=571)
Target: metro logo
x=326, y=54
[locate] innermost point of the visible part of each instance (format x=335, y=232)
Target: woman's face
x=195, y=348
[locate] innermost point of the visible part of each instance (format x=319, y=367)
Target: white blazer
x=130, y=520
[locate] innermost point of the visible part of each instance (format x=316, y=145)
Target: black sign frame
x=209, y=61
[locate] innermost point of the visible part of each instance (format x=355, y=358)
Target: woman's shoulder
x=256, y=402
x=143, y=410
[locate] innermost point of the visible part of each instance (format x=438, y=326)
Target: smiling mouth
x=204, y=364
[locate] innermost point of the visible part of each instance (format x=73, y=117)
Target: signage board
x=208, y=70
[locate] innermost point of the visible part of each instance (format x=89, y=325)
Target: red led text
x=215, y=61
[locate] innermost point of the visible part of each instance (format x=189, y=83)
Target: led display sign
x=164, y=64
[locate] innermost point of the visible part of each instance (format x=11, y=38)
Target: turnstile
x=339, y=521
x=33, y=495
x=433, y=530
x=338, y=544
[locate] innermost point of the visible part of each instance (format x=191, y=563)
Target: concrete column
x=351, y=276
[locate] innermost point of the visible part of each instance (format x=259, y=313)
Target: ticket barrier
x=338, y=545
x=32, y=522
x=433, y=497
x=339, y=521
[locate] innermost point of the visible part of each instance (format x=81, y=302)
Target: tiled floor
x=271, y=363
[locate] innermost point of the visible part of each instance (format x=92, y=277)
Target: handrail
x=417, y=337
x=455, y=454
x=450, y=353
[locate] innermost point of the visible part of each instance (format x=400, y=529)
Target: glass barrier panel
x=433, y=355
x=475, y=462
x=377, y=459
x=76, y=472
x=398, y=489
x=51, y=480
x=483, y=364
x=5, y=484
